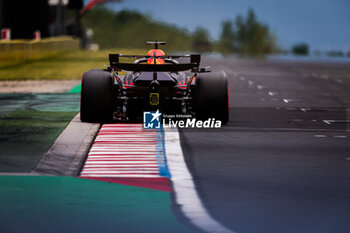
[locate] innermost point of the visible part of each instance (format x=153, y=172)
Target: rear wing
x=156, y=43
x=194, y=63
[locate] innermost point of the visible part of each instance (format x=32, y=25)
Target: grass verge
x=29, y=125
x=67, y=65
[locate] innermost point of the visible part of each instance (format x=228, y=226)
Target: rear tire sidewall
x=96, y=102
x=211, y=96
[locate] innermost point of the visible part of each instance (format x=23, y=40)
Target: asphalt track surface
x=282, y=164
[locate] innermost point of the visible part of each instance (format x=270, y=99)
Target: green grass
x=16, y=52
x=68, y=65
x=27, y=135
x=29, y=125
x=75, y=89
x=20, y=120
x=70, y=204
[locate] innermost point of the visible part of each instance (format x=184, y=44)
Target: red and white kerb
x=125, y=151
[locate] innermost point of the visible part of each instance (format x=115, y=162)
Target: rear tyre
x=97, y=93
x=211, y=96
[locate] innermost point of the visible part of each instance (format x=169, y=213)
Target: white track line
x=186, y=195
x=320, y=136
x=340, y=136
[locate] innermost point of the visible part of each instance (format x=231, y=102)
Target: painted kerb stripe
x=127, y=150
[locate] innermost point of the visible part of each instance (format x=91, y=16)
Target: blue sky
x=323, y=24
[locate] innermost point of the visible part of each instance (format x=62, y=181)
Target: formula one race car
x=153, y=82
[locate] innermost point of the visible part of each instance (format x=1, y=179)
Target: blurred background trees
x=101, y=25
x=130, y=29
x=246, y=36
x=226, y=44
x=201, y=40
x=300, y=49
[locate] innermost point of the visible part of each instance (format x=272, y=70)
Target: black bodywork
x=154, y=83
x=148, y=87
